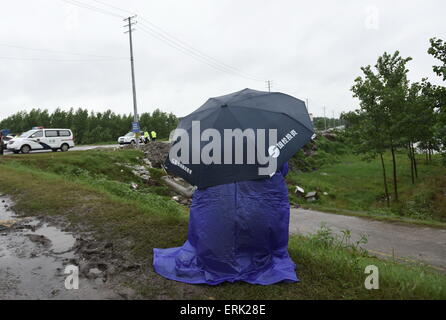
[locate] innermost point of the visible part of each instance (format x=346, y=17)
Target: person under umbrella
x=238, y=230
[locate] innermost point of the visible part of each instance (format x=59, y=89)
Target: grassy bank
x=96, y=194
x=353, y=186
x=99, y=143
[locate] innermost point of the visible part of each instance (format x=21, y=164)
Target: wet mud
x=34, y=255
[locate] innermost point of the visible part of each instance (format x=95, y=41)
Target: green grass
x=95, y=163
x=98, y=143
x=136, y=222
x=355, y=187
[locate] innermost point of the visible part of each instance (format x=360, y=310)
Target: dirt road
x=410, y=243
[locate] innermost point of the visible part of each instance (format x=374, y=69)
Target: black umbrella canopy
x=246, y=135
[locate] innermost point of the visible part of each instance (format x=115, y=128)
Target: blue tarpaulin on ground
x=237, y=232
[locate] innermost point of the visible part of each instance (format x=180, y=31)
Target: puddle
x=33, y=257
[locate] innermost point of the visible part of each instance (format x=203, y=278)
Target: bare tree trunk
x=430, y=153
x=395, y=183
x=409, y=154
x=414, y=161
x=385, y=180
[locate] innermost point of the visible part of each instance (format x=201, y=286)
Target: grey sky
x=310, y=49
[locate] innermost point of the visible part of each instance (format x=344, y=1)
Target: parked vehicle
x=42, y=139
x=130, y=138
x=6, y=139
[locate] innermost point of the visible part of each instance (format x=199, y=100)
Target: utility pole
x=325, y=119
x=132, y=62
x=269, y=83
x=334, y=120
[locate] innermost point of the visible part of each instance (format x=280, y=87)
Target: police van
x=42, y=139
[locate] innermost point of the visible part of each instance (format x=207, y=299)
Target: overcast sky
x=309, y=49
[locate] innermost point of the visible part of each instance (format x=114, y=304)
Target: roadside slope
x=137, y=222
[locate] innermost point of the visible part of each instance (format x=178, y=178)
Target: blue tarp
x=237, y=232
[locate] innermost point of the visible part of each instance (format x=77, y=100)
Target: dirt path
x=410, y=243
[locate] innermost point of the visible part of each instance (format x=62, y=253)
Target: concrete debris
x=299, y=190
x=94, y=273
x=143, y=176
x=331, y=136
x=134, y=186
x=7, y=224
x=156, y=152
x=139, y=171
x=183, y=201
x=311, y=196
x=185, y=191
x=147, y=162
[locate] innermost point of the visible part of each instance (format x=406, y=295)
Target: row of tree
x=395, y=114
x=90, y=127
x=323, y=123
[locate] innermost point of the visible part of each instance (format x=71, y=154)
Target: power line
x=165, y=33
x=114, y=7
x=181, y=45
x=59, y=52
x=91, y=7
x=196, y=51
x=56, y=60
x=183, y=50
x=162, y=35
x=190, y=53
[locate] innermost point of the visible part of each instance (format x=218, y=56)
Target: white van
x=42, y=139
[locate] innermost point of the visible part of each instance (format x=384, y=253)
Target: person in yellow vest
x=153, y=133
x=146, y=137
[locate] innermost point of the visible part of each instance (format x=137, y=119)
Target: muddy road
x=34, y=254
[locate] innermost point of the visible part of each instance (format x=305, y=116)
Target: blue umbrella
x=246, y=135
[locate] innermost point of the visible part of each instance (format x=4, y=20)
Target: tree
x=365, y=132
x=382, y=95
x=418, y=121
x=438, y=51
x=438, y=93
x=90, y=127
